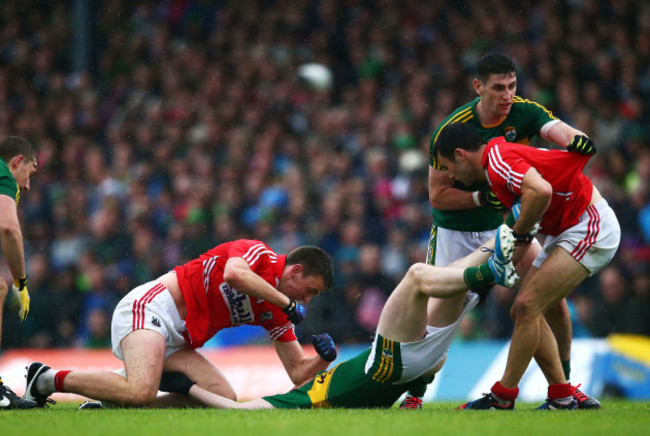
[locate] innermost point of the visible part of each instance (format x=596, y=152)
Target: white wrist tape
x=477, y=202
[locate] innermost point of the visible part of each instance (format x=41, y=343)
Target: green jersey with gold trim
x=349, y=385
x=8, y=185
x=525, y=120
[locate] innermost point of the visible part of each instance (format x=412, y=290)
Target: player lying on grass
x=160, y=325
x=405, y=349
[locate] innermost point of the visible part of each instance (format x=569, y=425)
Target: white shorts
x=592, y=242
x=149, y=306
x=421, y=356
x=451, y=245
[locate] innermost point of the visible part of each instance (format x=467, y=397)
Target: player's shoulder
x=461, y=114
x=523, y=104
x=8, y=185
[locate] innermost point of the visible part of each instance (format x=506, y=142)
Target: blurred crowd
x=189, y=127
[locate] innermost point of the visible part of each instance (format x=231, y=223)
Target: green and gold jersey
x=525, y=120
x=348, y=385
x=8, y=185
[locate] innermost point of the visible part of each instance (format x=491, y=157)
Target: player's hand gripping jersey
x=525, y=120
x=507, y=163
x=213, y=305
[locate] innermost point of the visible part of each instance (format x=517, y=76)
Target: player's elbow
x=232, y=274
x=297, y=377
x=436, y=199
x=544, y=191
x=10, y=230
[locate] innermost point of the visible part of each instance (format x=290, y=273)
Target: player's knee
x=524, y=309
x=416, y=272
x=142, y=396
x=559, y=310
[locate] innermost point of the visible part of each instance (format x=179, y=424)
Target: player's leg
x=199, y=369
x=4, y=290
x=541, y=288
x=553, y=280
x=144, y=353
x=404, y=317
x=557, y=316
x=448, y=248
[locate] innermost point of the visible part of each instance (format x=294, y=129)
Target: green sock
x=566, y=367
x=478, y=276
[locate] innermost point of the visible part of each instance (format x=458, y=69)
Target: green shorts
x=348, y=384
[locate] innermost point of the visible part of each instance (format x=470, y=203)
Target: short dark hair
x=315, y=262
x=456, y=135
x=494, y=63
x=13, y=146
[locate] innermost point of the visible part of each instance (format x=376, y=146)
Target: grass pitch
x=63, y=419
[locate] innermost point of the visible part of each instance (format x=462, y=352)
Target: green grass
x=616, y=417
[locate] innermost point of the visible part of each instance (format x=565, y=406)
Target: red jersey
x=506, y=163
x=213, y=305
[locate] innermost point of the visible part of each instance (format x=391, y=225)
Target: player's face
x=23, y=171
x=498, y=93
x=460, y=169
x=300, y=287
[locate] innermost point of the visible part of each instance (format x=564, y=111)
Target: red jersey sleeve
x=258, y=255
x=505, y=172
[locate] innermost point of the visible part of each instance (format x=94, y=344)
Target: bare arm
x=11, y=237
x=443, y=195
x=561, y=134
x=536, y=196
x=299, y=368
x=239, y=275
x=218, y=402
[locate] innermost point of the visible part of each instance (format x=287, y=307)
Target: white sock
x=45, y=382
x=501, y=401
x=563, y=401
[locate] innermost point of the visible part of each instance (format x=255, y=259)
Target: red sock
x=505, y=393
x=561, y=390
x=58, y=380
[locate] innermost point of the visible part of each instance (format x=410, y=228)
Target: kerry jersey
x=525, y=120
x=350, y=385
x=8, y=185
x=213, y=305
x=506, y=164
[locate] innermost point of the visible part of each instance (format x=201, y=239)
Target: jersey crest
x=239, y=305
x=510, y=133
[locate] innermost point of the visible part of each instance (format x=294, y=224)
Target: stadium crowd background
x=186, y=126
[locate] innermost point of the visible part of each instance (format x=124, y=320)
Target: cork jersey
x=525, y=120
x=506, y=164
x=8, y=185
x=213, y=305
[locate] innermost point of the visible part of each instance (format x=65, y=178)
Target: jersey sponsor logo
x=510, y=133
x=239, y=305
x=266, y=316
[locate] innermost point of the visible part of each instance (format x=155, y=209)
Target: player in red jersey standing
x=547, y=191
x=159, y=325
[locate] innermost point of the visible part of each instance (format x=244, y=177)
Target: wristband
x=20, y=283
x=522, y=238
x=476, y=198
